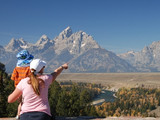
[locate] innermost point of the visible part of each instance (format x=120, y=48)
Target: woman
x=34, y=91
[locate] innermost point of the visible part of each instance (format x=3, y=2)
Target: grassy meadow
x=115, y=80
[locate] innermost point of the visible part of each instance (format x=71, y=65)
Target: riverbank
x=105, y=96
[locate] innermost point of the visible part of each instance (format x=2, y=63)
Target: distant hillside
x=147, y=60
x=79, y=49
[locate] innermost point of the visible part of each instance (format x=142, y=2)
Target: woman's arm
x=59, y=70
x=14, y=95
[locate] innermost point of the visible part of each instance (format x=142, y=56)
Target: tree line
x=66, y=99
x=135, y=102
x=69, y=99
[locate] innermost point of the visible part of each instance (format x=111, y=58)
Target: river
x=105, y=96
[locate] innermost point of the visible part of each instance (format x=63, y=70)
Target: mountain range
x=82, y=53
x=146, y=60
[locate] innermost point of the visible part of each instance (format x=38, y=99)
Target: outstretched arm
x=59, y=70
x=14, y=95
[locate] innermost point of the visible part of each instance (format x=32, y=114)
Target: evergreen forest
x=69, y=99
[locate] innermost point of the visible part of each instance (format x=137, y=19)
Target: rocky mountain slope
x=79, y=49
x=147, y=60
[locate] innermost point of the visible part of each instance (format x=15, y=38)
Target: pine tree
x=54, y=92
x=93, y=112
x=74, y=109
x=9, y=88
x=85, y=98
x=6, y=87
x=3, y=96
x=63, y=104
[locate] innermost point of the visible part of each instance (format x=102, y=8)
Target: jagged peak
x=43, y=39
x=21, y=39
x=156, y=42
x=15, y=44
x=82, y=33
x=66, y=32
x=131, y=52
x=16, y=41
x=145, y=49
x=12, y=40
x=68, y=28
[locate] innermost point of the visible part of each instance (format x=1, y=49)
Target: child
x=22, y=70
x=34, y=90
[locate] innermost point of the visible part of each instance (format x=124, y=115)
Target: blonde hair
x=36, y=83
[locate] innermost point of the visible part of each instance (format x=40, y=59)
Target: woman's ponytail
x=35, y=82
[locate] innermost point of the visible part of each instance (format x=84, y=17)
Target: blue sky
x=116, y=25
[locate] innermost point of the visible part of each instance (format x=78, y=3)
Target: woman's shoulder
x=23, y=82
x=25, y=79
x=46, y=76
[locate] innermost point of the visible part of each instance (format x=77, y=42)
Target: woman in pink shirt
x=34, y=91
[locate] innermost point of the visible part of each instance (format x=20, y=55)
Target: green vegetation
x=70, y=99
x=131, y=102
x=65, y=98
x=6, y=87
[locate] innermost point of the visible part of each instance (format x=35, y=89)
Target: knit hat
x=24, y=58
x=37, y=64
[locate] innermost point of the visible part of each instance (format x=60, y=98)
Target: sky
x=116, y=25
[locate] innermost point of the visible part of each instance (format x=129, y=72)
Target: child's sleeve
x=14, y=74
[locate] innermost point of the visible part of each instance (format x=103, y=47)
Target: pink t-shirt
x=31, y=101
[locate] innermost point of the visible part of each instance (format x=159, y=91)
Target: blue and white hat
x=24, y=58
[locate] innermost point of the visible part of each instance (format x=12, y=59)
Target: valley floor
x=115, y=80
x=112, y=81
